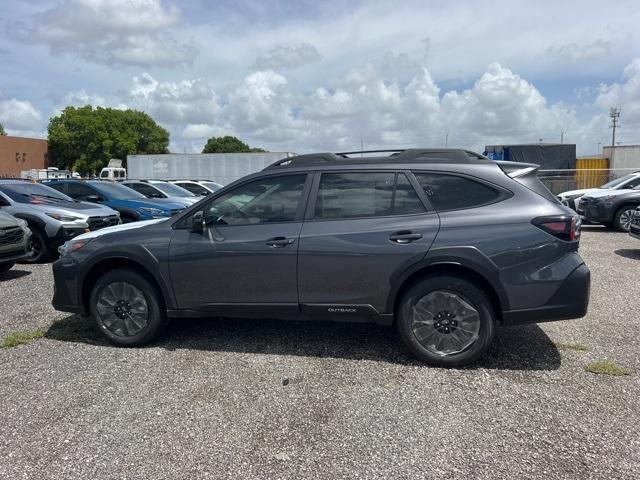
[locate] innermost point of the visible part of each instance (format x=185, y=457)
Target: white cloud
x=174, y=103
x=20, y=118
x=287, y=57
x=113, y=32
x=575, y=52
x=625, y=94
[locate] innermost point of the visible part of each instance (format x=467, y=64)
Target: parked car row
x=57, y=210
x=613, y=204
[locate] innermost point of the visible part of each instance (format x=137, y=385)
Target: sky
x=304, y=76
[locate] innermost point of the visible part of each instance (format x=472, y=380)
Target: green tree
x=85, y=139
x=2, y=132
x=228, y=144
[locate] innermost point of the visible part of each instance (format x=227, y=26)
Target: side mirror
x=197, y=222
x=94, y=198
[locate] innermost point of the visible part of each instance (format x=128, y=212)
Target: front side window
x=267, y=200
x=451, y=192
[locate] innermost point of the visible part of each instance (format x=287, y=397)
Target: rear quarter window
x=452, y=192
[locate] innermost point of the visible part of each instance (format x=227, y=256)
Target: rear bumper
x=570, y=301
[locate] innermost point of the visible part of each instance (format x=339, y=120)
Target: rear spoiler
x=517, y=169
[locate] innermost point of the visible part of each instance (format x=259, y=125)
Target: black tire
x=5, y=267
x=155, y=317
x=618, y=221
x=40, y=250
x=456, y=289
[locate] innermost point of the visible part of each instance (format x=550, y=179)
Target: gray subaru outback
x=442, y=244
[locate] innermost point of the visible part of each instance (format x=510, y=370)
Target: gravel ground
x=209, y=400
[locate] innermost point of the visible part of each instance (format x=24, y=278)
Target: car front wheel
x=127, y=308
x=622, y=220
x=446, y=321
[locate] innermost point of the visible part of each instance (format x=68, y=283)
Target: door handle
x=404, y=236
x=279, y=242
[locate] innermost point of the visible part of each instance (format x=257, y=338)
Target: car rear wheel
x=446, y=321
x=622, y=219
x=127, y=308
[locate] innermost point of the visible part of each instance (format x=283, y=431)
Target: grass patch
x=21, y=337
x=576, y=347
x=607, y=367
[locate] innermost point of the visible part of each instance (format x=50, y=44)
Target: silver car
x=52, y=217
x=15, y=238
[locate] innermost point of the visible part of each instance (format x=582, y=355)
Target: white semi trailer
x=222, y=168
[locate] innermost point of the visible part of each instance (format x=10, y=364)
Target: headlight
x=64, y=218
x=72, y=246
x=23, y=224
x=154, y=212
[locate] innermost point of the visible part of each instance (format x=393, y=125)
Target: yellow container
x=591, y=172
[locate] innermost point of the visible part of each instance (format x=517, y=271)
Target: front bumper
x=599, y=212
x=570, y=301
x=67, y=296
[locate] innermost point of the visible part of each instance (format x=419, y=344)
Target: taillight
x=564, y=227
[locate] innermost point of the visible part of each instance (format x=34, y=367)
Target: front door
x=363, y=229
x=246, y=254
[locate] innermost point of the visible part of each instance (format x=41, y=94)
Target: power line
x=614, y=113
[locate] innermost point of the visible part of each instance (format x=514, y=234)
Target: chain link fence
x=559, y=181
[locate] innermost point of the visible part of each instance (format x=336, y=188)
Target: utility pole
x=614, y=113
x=446, y=140
x=361, y=147
x=562, y=132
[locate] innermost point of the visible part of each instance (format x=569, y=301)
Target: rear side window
x=369, y=194
x=451, y=192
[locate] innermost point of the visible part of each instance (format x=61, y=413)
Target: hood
x=609, y=192
x=583, y=191
x=7, y=220
x=76, y=209
x=118, y=228
x=148, y=203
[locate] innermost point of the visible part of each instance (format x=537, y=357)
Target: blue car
x=132, y=205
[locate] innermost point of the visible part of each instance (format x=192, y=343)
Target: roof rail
x=360, y=152
x=409, y=155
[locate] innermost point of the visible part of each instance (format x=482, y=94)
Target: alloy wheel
x=445, y=323
x=625, y=218
x=122, y=309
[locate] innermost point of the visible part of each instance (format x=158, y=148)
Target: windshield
x=115, y=191
x=213, y=186
x=172, y=190
x=28, y=192
x=618, y=181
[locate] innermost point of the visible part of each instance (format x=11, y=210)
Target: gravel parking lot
x=267, y=399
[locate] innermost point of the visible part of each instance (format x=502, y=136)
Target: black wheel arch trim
x=468, y=258
x=136, y=256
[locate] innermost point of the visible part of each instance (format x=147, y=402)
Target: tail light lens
x=564, y=227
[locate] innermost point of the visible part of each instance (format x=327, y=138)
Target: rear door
x=361, y=229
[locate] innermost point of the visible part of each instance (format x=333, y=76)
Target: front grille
x=96, y=223
x=11, y=236
x=176, y=211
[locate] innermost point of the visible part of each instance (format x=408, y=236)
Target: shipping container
x=623, y=156
x=222, y=168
